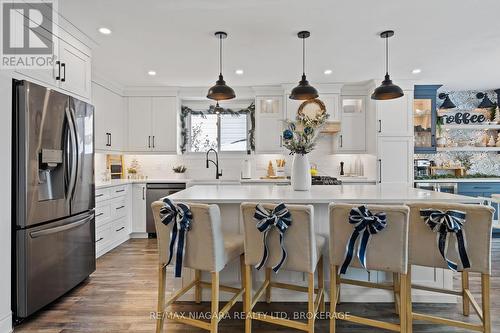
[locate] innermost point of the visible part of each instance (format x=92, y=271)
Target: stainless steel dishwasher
x=154, y=192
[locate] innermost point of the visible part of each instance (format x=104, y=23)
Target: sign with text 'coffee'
x=464, y=118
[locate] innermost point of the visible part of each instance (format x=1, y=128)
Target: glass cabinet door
x=422, y=122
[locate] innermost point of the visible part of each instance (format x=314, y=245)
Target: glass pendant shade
x=387, y=90
x=304, y=90
x=447, y=103
x=486, y=103
x=220, y=91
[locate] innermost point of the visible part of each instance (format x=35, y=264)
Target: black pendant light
x=220, y=91
x=447, y=103
x=304, y=91
x=486, y=103
x=387, y=90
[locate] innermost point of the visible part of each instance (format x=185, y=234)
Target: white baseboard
x=139, y=235
x=6, y=323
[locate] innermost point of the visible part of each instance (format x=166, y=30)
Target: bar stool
x=303, y=254
x=207, y=249
x=386, y=250
x=475, y=223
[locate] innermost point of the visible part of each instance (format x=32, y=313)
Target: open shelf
x=471, y=127
x=478, y=149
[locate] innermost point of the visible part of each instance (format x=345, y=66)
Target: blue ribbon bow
x=281, y=219
x=181, y=216
x=443, y=223
x=367, y=223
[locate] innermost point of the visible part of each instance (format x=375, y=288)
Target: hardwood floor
x=121, y=294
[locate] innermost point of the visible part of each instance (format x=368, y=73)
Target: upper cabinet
x=110, y=118
x=394, y=117
x=352, y=135
x=425, y=117
x=152, y=124
x=269, y=119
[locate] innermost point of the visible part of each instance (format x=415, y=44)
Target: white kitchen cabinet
x=164, y=124
x=139, y=123
x=394, y=117
x=139, y=209
x=75, y=70
x=269, y=117
x=109, y=116
x=395, y=159
x=352, y=135
x=152, y=124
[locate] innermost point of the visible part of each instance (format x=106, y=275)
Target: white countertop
x=459, y=180
x=385, y=193
x=118, y=182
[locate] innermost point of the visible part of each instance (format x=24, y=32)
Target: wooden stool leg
x=485, y=295
x=197, y=288
x=403, y=303
x=214, y=322
x=310, y=303
x=268, y=288
x=409, y=307
x=248, y=299
x=333, y=297
x=160, y=311
x=396, y=289
x=321, y=284
x=465, y=299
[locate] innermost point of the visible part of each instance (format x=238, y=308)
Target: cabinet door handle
x=118, y=191
x=143, y=193
x=149, y=141
x=99, y=195
x=482, y=187
x=110, y=139
x=63, y=79
x=58, y=77
x=153, y=141
x=100, y=214
x=341, y=141
x=120, y=229
x=380, y=171
x=100, y=239
x=380, y=126
x=120, y=207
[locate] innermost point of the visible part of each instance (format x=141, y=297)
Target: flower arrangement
x=301, y=134
x=179, y=169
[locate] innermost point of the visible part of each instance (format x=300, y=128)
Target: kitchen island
x=229, y=198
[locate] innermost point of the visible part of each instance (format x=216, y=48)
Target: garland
x=186, y=111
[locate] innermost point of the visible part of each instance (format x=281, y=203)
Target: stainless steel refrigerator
x=53, y=195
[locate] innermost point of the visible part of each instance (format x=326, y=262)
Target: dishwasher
x=154, y=192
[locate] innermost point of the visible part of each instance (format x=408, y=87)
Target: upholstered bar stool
x=387, y=250
x=206, y=249
x=303, y=254
x=468, y=245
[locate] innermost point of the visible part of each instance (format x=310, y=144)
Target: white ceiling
x=456, y=43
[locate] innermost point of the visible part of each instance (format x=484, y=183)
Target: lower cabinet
x=139, y=210
x=480, y=189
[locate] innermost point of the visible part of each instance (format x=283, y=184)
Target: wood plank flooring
x=121, y=294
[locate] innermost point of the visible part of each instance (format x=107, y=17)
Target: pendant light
x=304, y=91
x=486, y=103
x=447, y=103
x=387, y=90
x=221, y=91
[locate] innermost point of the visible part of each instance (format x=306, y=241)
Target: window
x=222, y=132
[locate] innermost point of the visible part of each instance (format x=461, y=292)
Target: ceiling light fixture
x=304, y=91
x=447, y=103
x=486, y=103
x=220, y=91
x=105, y=31
x=416, y=71
x=328, y=71
x=239, y=72
x=151, y=73
x=387, y=90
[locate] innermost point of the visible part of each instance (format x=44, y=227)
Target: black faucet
x=216, y=163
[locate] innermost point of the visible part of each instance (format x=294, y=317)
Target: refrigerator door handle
x=41, y=233
x=77, y=151
x=73, y=154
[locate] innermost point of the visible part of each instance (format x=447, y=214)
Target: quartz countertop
x=381, y=193
x=459, y=180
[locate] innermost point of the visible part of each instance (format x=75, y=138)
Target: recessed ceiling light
x=239, y=71
x=151, y=73
x=328, y=71
x=105, y=31
x=416, y=71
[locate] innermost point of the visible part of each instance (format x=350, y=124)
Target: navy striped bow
x=181, y=216
x=443, y=223
x=281, y=219
x=367, y=223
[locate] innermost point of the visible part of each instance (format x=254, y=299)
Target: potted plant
x=440, y=139
x=300, y=139
x=179, y=171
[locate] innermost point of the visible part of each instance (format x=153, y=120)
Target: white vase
x=301, y=176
